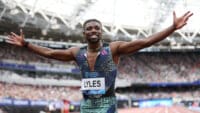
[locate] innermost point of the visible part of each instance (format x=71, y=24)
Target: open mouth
x=93, y=36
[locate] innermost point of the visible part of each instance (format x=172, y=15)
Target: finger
x=11, y=39
x=9, y=36
x=186, y=19
x=14, y=41
x=188, y=16
x=13, y=34
x=174, y=15
x=184, y=24
x=10, y=42
x=186, y=13
x=21, y=33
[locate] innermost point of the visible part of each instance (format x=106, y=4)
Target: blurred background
x=162, y=78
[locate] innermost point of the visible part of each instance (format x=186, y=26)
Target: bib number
x=93, y=84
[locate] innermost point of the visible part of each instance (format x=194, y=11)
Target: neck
x=94, y=47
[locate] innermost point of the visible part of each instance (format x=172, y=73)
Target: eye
x=97, y=27
x=88, y=28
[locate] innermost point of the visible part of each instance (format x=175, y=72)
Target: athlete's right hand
x=15, y=39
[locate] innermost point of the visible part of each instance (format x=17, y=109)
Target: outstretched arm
x=64, y=55
x=121, y=47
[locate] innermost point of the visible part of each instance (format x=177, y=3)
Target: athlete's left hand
x=179, y=22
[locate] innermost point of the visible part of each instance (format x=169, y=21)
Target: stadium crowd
x=22, y=55
x=142, y=67
x=161, y=67
x=166, y=94
x=39, y=92
x=36, y=92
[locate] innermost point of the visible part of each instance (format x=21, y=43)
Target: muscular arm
x=133, y=46
x=121, y=47
x=64, y=55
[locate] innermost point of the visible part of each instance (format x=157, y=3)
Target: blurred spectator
x=20, y=91
x=141, y=67
x=150, y=67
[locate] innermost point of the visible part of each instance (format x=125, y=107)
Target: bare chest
x=91, y=59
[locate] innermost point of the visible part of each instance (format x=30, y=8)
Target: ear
x=83, y=33
x=84, y=37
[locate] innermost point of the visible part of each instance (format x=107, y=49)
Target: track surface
x=158, y=110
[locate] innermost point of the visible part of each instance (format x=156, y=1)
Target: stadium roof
x=122, y=19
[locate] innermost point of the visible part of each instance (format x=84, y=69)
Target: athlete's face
x=93, y=32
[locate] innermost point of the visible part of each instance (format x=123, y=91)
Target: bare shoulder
x=114, y=46
x=74, y=50
x=114, y=49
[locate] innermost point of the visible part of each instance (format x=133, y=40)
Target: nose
x=93, y=29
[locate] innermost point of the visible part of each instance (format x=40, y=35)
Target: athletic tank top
x=104, y=73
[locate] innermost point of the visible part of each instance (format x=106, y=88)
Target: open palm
x=181, y=21
x=16, y=39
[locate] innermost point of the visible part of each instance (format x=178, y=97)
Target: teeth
x=94, y=36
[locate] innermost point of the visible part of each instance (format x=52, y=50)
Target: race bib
x=93, y=84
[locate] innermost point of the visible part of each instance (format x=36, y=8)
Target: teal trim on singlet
x=104, y=66
x=100, y=105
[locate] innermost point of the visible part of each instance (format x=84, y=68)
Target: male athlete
x=98, y=61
